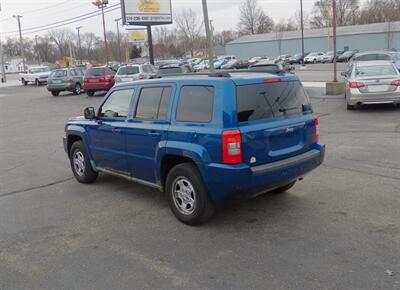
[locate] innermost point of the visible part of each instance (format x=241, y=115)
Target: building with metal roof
x=362, y=37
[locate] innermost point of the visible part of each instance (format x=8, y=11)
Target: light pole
x=79, y=43
x=302, y=32
x=101, y=4
x=18, y=17
x=208, y=34
x=3, y=71
x=37, y=49
x=334, y=42
x=119, y=44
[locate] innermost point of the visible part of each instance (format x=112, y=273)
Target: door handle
x=154, y=134
x=116, y=130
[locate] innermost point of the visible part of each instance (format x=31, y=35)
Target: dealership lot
x=337, y=229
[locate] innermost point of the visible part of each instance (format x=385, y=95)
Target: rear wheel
x=55, y=93
x=187, y=195
x=350, y=107
x=80, y=164
x=284, y=188
x=315, y=61
x=90, y=93
x=77, y=89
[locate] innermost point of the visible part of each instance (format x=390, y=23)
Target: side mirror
x=343, y=74
x=89, y=113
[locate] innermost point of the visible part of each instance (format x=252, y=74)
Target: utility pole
x=150, y=42
x=302, y=32
x=210, y=47
x=79, y=43
x=334, y=42
x=37, y=50
x=18, y=17
x=101, y=4
x=3, y=71
x=119, y=40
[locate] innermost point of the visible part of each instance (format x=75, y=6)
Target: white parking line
x=314, y=84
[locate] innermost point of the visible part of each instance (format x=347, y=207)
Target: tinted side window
x=117, y=104
x=262, y=101
x=153, y=103
x=195, y=104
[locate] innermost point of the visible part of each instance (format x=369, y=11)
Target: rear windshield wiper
x=284, y=110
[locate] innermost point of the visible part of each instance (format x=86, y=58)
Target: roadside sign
x=137, y=36
x=146, y=12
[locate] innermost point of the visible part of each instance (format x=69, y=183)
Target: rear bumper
x=97, y=86
x=374, y=98
x=60, y=87
x=225, y=182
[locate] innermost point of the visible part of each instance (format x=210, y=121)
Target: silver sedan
x=372, y=82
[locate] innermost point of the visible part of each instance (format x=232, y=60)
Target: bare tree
x=253, y=20
x=375, y=11
x=190, y=27
x=223, y=37
x=62, y=39
x=347, y=13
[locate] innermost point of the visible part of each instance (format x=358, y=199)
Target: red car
x=98, y=79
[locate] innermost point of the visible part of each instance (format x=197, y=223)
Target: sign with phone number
x=146, y=12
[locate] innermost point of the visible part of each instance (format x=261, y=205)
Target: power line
x=63, y=22
x=36, y=10
x=66, y=23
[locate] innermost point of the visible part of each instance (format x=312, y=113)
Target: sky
x=224, y=13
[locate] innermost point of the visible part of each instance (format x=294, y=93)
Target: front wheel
x=80, y=164
x=90, y=93
x=187, y=195
x=37, y=83
x=55, y=93
x=24, y=82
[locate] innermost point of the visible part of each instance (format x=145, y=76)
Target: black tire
x=37, y=83
x=85, y=173
x=315, y=61
x=55, y=93
x=203, y=208
x=350, y=107
x=90, y=93
x=77, y=89
x=284, y=188
x=24, y=82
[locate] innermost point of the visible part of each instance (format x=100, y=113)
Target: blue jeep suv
x=202, y=139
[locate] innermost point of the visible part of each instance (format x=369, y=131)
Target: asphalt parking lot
x=337, y=229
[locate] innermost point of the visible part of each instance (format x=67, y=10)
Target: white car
x=203, y=65
x=314, y=57
x=37, y=75
x=133, y=72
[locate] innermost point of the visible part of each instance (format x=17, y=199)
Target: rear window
x=95, y=72
x=58, y=73
x=373, y=56
x=263, y=101
x=128, y=70
x=170, y=70
x=376, y=70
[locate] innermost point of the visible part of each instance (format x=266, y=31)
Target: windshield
x=376, y=70
x=39, y=70
x=262, y=101
x=59, y=73
x=128, y=70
